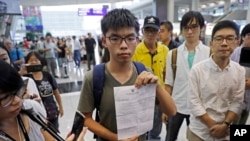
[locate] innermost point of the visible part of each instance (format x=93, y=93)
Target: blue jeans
x=157, y=125
x=77, y=57
x=174, y=124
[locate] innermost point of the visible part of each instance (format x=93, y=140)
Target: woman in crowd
x=15, y=126
x=47, y=87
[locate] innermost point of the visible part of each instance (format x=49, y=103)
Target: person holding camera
x=47, y=87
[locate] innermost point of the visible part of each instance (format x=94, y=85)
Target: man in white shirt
x=217, y=88
x=77, y=51
x=189, y=53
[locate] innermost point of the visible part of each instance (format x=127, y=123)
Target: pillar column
x=176, y=13
x=195, y=5
x=248, y=14
x=170, y=11
x=227, y=6
x=158, y=7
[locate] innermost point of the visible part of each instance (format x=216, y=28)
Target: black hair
x=118, y=18
x=245, y=30
x=10, y=80
x=48, y=34
x=38, y=56
x=168, y=25
x=226, y=24
x=190, y=16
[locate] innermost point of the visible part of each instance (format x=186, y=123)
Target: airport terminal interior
x=24, y=22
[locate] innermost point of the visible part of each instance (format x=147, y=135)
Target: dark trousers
x=89, y=57
x=55, y=123
x=174, y=124
x=77, y=57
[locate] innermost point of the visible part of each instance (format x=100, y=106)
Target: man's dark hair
x=119, y=18
x=226, y=24
x=74, y=37
x=190, y=16
x=48, y=34
x=245, y=30
x=167, y=24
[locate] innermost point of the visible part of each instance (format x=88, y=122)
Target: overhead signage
x=92, y=12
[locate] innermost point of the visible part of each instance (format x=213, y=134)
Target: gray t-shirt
x=107, y=104
x=50, y=53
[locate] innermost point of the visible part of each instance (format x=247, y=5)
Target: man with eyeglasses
x=120, y=29
x=153, y=54
x=245, y=42
x=166, y=33
x=216, y=88
x=189, y=53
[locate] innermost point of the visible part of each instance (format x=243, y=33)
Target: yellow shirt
x=156, y=61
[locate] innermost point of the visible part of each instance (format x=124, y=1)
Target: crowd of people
x=204, y=85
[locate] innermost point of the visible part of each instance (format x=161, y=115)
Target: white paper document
x=134, y=110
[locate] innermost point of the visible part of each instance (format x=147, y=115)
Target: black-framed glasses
x=117, y=40
x=220, y=39
x=9, y=98
x=192, y=27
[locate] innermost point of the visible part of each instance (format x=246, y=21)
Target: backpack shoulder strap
x=98, y=82
x=173, y=61
x=139, y=67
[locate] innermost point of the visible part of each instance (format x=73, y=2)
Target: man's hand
x=219, y=130
x=145, y=78
x=81, y=136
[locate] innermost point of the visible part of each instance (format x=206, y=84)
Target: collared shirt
x=235, y=56
x=180, y=84
x=156, y=61
x=215, y=92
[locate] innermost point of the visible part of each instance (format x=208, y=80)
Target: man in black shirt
x=90, y=49
x=165, y=36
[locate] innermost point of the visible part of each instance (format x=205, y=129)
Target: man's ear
x=104, y=41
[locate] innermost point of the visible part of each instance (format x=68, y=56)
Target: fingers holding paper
x=145, y=78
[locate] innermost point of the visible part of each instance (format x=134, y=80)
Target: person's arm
x=167, y=104
x=195, y=101
x=169, y=81
x=59, y=101
x=97, y=128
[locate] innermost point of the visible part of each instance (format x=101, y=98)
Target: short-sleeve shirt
x=51, y=52
x=89, y=44
x=46, y=87
x=16, y=54
x=107, y=105
x=156, y=61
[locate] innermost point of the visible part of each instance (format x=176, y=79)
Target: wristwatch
x=227, y=123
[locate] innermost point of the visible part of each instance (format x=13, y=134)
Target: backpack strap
x=139, y=67
x=98, y=84
x=173, y=62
